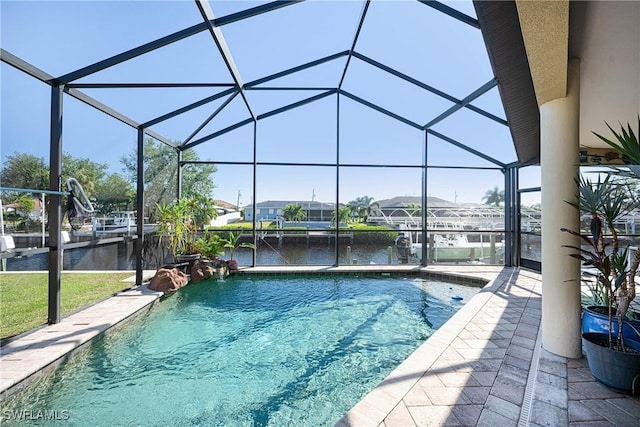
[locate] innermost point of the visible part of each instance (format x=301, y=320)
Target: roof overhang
x=529, y=45
x=502, y=33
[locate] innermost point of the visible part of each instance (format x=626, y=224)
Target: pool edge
x=18, y=367
x=377, y=404
x=10, y=385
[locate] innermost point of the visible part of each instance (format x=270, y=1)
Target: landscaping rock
x=205, y=269
x=200, y=272
x=232, y=264
x=168, y=280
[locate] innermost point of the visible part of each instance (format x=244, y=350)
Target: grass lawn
x=24, y=296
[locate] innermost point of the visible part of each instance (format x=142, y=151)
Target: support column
x=559, y=142
x=179, y=175
x=139, y=245
x=425, y=205
x=254, y=185
x=508, y=218
x=337, y=205
x=55, y=205
x=511, y=213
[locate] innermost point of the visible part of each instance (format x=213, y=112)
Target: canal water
x=121, y=256
x=294, y=251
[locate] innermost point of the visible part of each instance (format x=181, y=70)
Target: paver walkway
x=41, y=351
x=486, y=367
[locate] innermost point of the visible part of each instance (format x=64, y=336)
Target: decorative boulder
x=168, y=280
x=205, y=269
x=201, y=270
x=232, y=264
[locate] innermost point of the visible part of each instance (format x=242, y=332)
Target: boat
x=119, y=222
x=454, y=247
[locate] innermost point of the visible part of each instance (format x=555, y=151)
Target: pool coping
x=379, y=404
x=486, y=366
x=37, y=353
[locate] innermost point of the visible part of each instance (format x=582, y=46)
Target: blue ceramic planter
x=615, y=369
x=595, y=321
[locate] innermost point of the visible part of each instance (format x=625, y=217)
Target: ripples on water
x=249, y=352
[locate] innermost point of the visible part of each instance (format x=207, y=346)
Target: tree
x=114, y=193
x=204, y=210
x=413, y=208
x=344, y=215
x=233, y=242
x=25, y=205
x=160, y=174
x=360, y=202
x=22, y=170
x=293, y=212
x=176, y=223
x=494, y=197
x=363, y=206
x=107, y=191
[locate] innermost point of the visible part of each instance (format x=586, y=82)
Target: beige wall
x=610, y=67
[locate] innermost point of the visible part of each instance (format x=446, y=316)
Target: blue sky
x=59, y=37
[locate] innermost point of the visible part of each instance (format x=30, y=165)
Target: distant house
x=227, y=213
x=224, y=207
x=272, y=210
x=36, y=213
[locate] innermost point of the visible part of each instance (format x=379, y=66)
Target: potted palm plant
x=627, y=144
x=614, y=359
x=233, y=242
x=210, y=245
x=179, y=223
x=175, y=224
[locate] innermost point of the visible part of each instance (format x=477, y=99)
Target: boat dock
x=308, y=236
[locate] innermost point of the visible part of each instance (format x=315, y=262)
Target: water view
x=121, y=256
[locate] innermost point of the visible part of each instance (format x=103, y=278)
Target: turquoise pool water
x=267, y=351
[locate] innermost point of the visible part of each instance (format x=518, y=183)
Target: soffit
x=605, y=37
x=545, y=31
x=501, y=31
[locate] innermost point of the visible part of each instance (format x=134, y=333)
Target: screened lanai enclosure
x=381, y=122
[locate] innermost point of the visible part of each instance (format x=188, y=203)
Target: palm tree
x=413, y=208
x=368, y=210
x=627, y=143
x=233, y=243
x=493, y=197
x=204, y=210
x=363, y=206
x=293, y=212
x=344, y=215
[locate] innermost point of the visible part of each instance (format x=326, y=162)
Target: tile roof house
x=272, y=210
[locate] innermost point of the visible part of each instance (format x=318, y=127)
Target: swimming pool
x=296, y=350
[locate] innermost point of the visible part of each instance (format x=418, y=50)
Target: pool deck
x=484, y=367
